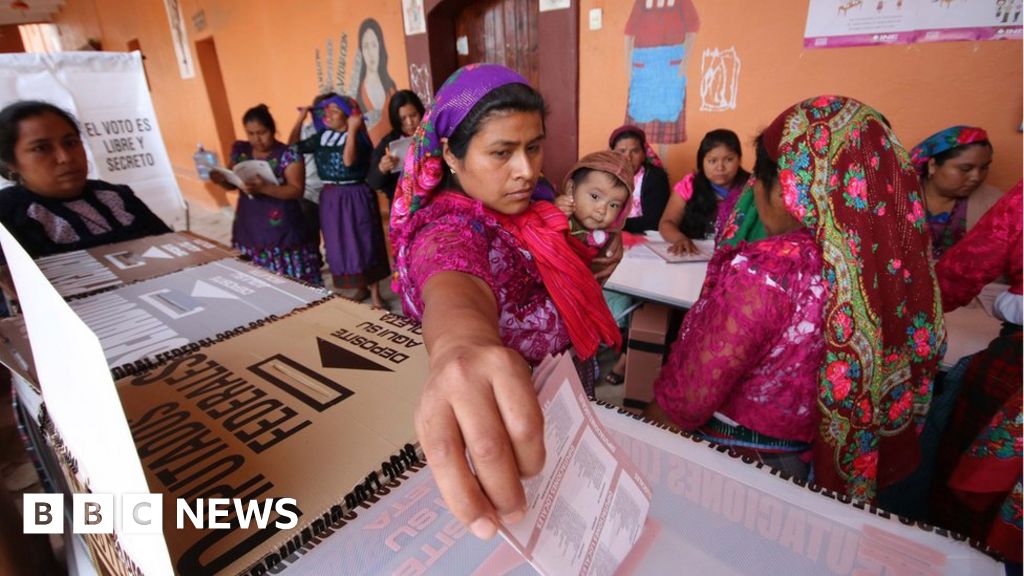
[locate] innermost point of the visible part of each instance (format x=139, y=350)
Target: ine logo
x=143, y=513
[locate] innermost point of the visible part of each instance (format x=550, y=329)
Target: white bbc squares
x=92, y=513
x=141, y=514
x=43, y=514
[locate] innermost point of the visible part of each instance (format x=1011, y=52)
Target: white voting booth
x=108, y=94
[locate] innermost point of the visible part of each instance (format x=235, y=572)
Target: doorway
x=542, y=46
x=135, y=46
x=209, y=65
x=499, y=32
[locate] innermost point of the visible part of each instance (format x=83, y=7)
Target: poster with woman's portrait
x=374, y=85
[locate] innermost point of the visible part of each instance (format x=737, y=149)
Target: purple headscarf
x=423, y=169
x=541, y=229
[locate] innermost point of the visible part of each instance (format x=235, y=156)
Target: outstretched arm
x=479, y=399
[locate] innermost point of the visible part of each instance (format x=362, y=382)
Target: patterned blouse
x=947, y=228
x=992, y=248
x=327, y=148
x=103, y=214
x=751, y=347
x=460, y=236
x=262, y=221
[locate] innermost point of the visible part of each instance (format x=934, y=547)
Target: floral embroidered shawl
x=845, y=175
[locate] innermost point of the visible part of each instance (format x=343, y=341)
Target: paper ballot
x=399, y=148
x=588, y=507
x=247, y=170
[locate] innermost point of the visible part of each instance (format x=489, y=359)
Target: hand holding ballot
x=249, y=176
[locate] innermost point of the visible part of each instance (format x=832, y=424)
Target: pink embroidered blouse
x=991, y=248
x=456, y=235
x=751, y=347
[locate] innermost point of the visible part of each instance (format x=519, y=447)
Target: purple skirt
x=353, y=235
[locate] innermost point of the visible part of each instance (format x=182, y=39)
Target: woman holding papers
x=821, y=339
x=52, y=206
x=269, y=226
x=496, y=284
x=405, y=110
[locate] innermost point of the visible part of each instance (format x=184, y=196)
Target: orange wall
x=266, y=53
x=920, y=88
x=77, y=22
x=266, y=50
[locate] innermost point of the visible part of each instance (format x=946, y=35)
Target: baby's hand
x=566, y=204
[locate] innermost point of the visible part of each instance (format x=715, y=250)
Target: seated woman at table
x=977, y=486
x=497, y=285
x=52, y=206
x=824, y=336
x=952, y=163
x=702, y=199
x=650, y=181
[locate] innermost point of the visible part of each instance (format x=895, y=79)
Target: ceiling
x=38, y=11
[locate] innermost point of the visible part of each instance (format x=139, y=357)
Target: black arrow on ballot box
x=334, y=356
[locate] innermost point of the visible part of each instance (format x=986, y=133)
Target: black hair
x=702, y=208
x=766, y=170
x=382, y=64
x=507, y=98
x=941, y=157
x=261, y=114
x=10, y=121
x=402, y=98
x=628, y=133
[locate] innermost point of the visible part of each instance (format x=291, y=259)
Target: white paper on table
x=588, y=506
x=399, y=148
x=705, y=248
x=81, y=400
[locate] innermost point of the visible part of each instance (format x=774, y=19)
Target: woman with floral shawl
x=844, y=178
x=496, y=283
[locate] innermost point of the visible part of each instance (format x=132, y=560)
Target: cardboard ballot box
x=139, y=323
x=645, y=350
x=712, y=512
x=112, y=265
x=315, y=407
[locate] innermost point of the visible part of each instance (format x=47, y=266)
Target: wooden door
x=500, y=32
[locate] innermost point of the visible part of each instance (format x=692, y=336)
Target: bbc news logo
x=143, y=513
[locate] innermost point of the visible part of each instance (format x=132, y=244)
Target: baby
x=595, y=196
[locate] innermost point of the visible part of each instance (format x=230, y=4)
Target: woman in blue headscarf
x=349, y=216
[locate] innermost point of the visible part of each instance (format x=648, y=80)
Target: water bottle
x=204, y=160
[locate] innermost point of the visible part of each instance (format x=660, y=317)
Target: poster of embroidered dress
x=839, y=23
x=659, y=39
x=950, y=20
